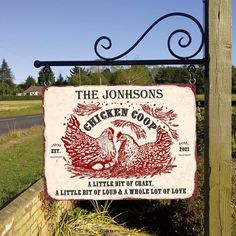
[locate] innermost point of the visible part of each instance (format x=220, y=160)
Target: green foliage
x=5, y=73
x=188, y=215
x=60, y=80
x=42, y=78
x=133, y=75
x=167, y=75
x=136, y=74
x=99, y=75
x=200, y=130
x=107, y=74
x=101, y=208
x=6, y=79
x=92, y=76
x=233, y=79
x=200, y=79
x=178, y=75
x=98, y=78
x=29, y=82
x=79, y=76
x=234, y=132
x=21, y=154
x=5, y=88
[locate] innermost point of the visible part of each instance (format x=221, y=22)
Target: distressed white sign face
x=120, y=142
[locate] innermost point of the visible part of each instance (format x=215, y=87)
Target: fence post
x=218, y=160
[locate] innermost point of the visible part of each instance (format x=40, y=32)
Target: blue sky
x=68, y=29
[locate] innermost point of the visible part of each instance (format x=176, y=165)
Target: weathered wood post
x=218, y=165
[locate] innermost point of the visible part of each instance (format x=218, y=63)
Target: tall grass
x=80, y=222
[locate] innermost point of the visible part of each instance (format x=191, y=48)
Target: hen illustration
x=150, y=158
x=88, y=152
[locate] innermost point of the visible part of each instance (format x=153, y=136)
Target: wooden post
x=218, y=160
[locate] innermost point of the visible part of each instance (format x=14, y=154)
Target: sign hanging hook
x=192, y=70
x=47, y=71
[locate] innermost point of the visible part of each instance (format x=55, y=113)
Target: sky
x=67, y=30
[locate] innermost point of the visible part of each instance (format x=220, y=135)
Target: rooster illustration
x=88, y=152
x=148, y=159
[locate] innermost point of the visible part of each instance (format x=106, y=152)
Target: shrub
x=234, y=132
x=200, y=130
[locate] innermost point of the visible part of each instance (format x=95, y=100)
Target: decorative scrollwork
x=180, y=42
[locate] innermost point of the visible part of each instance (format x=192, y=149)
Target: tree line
x=115, y=75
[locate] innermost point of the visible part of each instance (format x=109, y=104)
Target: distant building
x=33, y=91
x=19, y=94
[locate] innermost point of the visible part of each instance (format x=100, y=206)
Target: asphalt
x=23, y=122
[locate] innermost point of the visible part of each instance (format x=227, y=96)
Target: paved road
x=23, y=122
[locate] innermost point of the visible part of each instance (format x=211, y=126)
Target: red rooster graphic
x=148, y=159
x=87, y=152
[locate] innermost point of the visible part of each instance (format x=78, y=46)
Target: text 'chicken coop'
x=120, y=142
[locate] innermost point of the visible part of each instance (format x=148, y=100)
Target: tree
x=42, y=78
x=29, y=82
x=5, y=89
x=5, y=73
x=79, y=76
x=137, y=74
x=6, y=79
x=100, y=77
x=60, y=80
x=178, y=75
x=167, y=75
x=107, y=73
x=233, y=79
x=200, y=79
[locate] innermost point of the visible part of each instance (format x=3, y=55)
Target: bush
x=201, y=127
x=234, y=132
x=200, y=130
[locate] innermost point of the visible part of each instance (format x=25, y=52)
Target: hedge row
x=17, y=98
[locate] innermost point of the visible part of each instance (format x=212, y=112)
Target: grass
x=81, y=222
x=20, y=108
x=21, y=155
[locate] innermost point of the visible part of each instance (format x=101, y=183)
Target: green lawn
x=21, y=155
x=20, y=108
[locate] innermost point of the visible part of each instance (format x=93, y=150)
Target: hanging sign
x=120, y=142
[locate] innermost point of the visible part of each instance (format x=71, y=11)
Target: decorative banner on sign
x=120, y=142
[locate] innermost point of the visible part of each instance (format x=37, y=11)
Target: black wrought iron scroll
x=183, y=45
x=114, y=60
